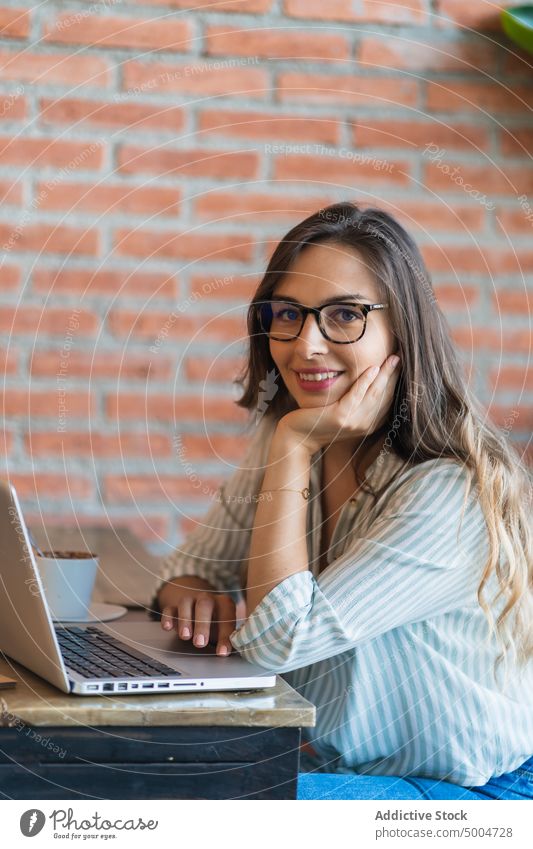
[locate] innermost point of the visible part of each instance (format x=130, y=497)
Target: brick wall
x=152, y=153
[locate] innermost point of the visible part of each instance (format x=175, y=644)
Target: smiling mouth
x=318, y=377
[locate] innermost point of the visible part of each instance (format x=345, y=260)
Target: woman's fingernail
x=185, y=633
x=394, y=361
x=167, y=625
x=223, y=650
x=374, y=372
x=200, y=640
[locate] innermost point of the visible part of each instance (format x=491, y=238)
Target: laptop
x=116, y=657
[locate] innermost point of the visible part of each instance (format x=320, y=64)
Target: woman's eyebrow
x=338, y=299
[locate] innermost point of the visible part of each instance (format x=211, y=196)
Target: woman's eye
x=348, y=315
x=289, y=315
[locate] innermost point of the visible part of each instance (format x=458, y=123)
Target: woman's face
x=320, y=272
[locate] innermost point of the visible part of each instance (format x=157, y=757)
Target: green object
x=518, y=25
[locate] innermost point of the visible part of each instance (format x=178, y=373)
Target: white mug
x=68, y=578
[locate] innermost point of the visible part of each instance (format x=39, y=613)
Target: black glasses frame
x=317, y=312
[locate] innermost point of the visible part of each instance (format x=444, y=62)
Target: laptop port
x=160, y=686
x=92, y=686
x=148, y=686
x=108, y=686
x=122, y=686
x=134, y=686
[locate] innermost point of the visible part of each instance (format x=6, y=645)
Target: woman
x=383, y=525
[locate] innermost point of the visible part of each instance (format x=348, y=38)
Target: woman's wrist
x=286, y=443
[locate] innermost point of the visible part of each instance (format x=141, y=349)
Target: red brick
x=165, y=488
x=492, y=339
x=20, y=402
x=48, y=320
x=168, y=408
x=226, y=447
x=105, y=31
x=515, y=220
x=6, y=443
x=333, y=169
x=517, y=340
x=13, y=106
x=256, y=207
x=10, y=277
x=476, y=258
x=512, y=418
x=55, y=69
x=9, y=360
x=210, y=370
x=390, y=133
x=479, y=98
x=198, y=162
x=45, y=485
x=275, y=44
x=475, y=15
x=446, y=175
x=134, y=116
x=512, y=377
x=103, y=364
x=91, y=444
x=202, y=78
x=212, y=247
x=402, y=11
x=10, y=193
x=248, y=6
x=54, y=153
x=512, y=301
x=150, y=325
x=348, y=89
x=121, y=283
x=436, y=215
x=456, y=297
x=50, y=239
x=269, y=126
x=449, y=56
x=228, y=286
x=516, y=141
x=14, y=23
x=111, y=198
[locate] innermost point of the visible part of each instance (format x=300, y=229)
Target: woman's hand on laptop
x=196, y=611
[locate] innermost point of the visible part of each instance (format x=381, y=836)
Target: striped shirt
x=389, y=641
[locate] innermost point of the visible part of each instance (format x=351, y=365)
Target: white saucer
x=99, y=612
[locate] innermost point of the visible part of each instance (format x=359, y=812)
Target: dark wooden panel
x=149, y=763
x=264, y=780
x=148, y=744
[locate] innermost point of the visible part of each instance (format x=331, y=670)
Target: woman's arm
x=415, y=561
x=278, y=546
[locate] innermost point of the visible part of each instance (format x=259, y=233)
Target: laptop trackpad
x=179, y=654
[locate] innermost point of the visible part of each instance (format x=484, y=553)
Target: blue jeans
x=322, y=785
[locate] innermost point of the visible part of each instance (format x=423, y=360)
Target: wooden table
x=182, y=746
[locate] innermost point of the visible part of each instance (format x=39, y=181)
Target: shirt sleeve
x=415, y=561
x=216, y=549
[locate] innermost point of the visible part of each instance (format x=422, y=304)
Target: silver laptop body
x=29, y=636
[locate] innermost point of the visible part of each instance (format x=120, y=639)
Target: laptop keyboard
x=94, y=654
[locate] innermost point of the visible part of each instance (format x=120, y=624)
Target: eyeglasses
x=342, y=323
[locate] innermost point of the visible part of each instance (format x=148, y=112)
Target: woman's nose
x=310, y=336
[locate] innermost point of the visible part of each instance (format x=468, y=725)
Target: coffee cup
x=68, y=579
